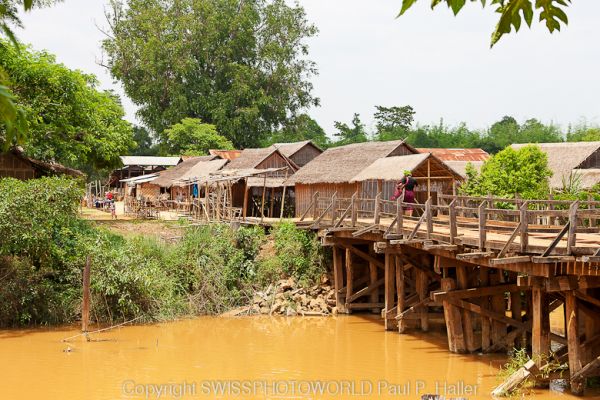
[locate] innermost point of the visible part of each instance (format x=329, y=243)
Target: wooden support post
x=354, y=208
x=338, y=279
x=374, y=297
x=349, y=278
x=333, y=208
x=283, y=196
x=376, y=216
x=316, y=206
x=484, y=281
x=467, y=317
x=400, y=293
x=429, y=217
x=207, y=199
x=429, y=178
x=515, y=305
x=456, y=340
x=262, y=203
x=540, y=333
x=482, y=227
x=389, y=290
x=498, y=306
x=422, y=285
x=524, y=225
x=572, y=321
x=85, y=307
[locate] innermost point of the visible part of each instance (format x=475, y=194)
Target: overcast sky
x=439, y=64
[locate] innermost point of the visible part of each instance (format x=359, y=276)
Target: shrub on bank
x=213, y=268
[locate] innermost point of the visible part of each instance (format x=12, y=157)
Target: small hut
x=134, y=166
x=167, y=183
x=15, y=164
x=301, y=153
x=332, y=171
x=571, y=161
x=432, y=175
x=266, y=194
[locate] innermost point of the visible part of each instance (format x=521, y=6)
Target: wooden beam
x=572, y=321
x=456, y=340
x=510, y=240
x=349, y=277
x=540, y=340
x=562, y=283
x=509, y=260
x=524, y=222
x=556, y=240
x=338, y=279
x=389, y=290
x=467, y=317
x=362, y=254
x=422, y=286
x=367, y=290
x=401, y=295
x=477, y=292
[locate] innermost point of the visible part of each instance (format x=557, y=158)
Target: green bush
x=213, y=268
x=297, y=253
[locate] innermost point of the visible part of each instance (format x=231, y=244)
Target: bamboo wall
x=593, y=161
x=148, y=190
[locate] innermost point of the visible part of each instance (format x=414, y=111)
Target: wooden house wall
x=14, y=167
x=592, y=161
x=305, y=155
x=304, y=193
x=275, y=160
x=400, y=151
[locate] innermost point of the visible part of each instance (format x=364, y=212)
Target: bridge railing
x=555, y=221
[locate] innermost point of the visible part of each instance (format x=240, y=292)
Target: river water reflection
x=249, y=357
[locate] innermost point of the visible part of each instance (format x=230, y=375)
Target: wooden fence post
x=452, y=221
x=85, y=307
x=429, y=218
x=399, y=215
x=524, y=223
x=482, y=227
x=376, y=216
x=572, y=238
x=316, y=206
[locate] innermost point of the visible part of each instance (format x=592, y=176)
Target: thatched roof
x=564, y=157
x=47, y=168
x=251, y=158
x=167, y=177
x=457, y=154
x=270, y=182
x=392, y=168
x=341, y=164
x=203, y=169
x=289, y=149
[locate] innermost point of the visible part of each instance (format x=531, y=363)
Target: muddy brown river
x=249, y=357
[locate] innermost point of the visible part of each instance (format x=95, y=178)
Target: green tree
x=350, y=134
x=508, y=131
x=145, y=143
x=393, y=122
x=443, y=136
x=584, y=133
x=192, y=137
x=524, y=171
x=239, y=65
x=69, y=120
x=512, y=13
x=301, y=127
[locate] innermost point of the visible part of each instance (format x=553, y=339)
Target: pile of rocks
x=287, y=297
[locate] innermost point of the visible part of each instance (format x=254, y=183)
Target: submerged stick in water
x=101, y=330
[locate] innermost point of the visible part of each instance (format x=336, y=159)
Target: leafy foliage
x=299, y=128
x=192, y=137
x=69, y=119
x=524, y=171
x=350, y=134
x=145, y=143
x=240, y=66
x=393, y=122
x=213, y=268
x=512, y=13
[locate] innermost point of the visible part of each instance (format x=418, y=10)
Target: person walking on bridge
x=407, y=183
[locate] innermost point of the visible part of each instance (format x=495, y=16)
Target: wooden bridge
x=491, y=270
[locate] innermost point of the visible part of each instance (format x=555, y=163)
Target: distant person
x=113, y=210
x=407, y=183
x=109, y=196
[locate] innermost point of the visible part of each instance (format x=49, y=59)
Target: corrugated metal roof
x=150, y=160
x=457, y=154
x=226, y=154
x=140, y=178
